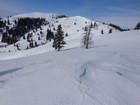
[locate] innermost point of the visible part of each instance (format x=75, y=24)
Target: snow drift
x=106, y=74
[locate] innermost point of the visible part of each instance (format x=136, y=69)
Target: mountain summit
x=26, y=31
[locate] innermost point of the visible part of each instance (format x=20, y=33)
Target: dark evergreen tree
x=95, y=25
x=41, y=28
x=29, y=35
x=102, y=32
x=41, y=32
x=110, y=31
x=27, y=48
x=54, y=28
x=24, y=37
x=137, y=26
x=91, y=25
x=8, y=22
x=50, y=35
x=15, y=22
x=2, y=24
x=7, y=29
x=36, y=44
x=66, y=35
x=4, y=37
x=59, y=39
x=18, y=47
x=39, y=38
x=85, y=29
x=31, y=44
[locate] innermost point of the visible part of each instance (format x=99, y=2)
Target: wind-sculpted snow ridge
x=106, y=74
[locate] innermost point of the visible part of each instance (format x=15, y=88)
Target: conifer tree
x=110, y=31
x=50, y=35
x=36, y=45
x=66, y=35
x=59, y=39
x=24, y=37
x=95, y=24
x=102, y=32
x=137, y=26
x=87, y=39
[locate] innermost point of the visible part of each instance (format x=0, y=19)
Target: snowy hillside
x=73, y=26
x=106, y=74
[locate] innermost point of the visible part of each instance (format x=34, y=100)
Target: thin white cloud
x=126, y=11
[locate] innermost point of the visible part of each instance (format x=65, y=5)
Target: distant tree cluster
x=30, y=23
x=22, y=26
x=118, y=27
x=61, y=16
x=2, y=24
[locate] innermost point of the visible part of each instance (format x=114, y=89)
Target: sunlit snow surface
x=106, y=74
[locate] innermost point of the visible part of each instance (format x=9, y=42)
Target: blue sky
x=88, y=8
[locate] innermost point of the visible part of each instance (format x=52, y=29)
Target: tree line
x=22, y=26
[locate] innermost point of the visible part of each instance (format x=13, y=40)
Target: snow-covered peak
x=74, y=26
x=80, y=18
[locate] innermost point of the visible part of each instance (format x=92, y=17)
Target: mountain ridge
x=37, y=24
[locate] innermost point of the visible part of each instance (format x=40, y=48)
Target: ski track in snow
x=84, y=89
x=9, y=71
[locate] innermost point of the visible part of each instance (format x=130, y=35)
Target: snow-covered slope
x=73, y=26
x=106, y=74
